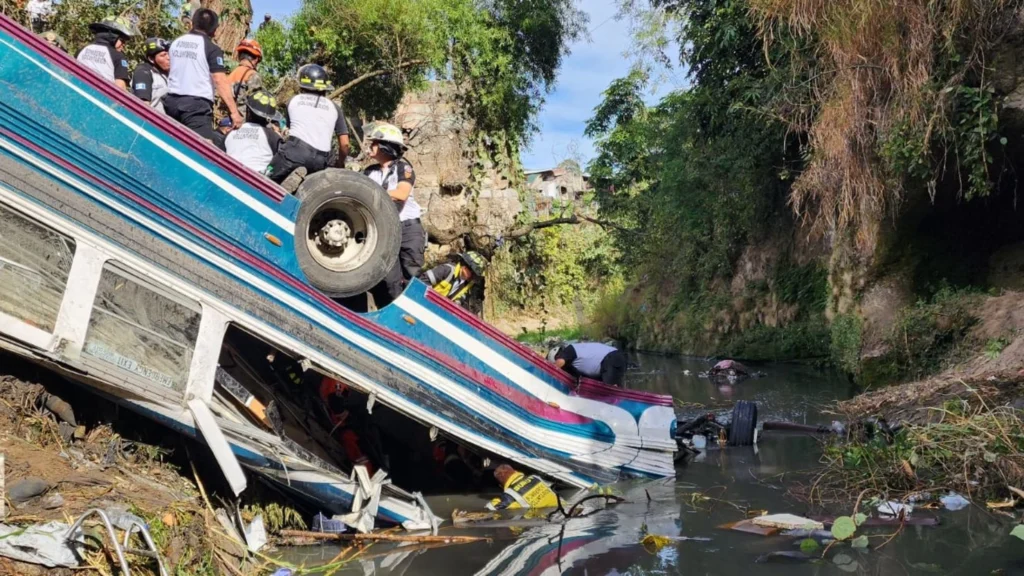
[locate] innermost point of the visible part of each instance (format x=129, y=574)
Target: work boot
x=294, y=180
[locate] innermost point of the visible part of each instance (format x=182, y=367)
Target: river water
x=968, y=542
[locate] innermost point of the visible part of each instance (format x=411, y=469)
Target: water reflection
x=704, y=496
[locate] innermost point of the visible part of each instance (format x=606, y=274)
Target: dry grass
x=970, y=445
x=879, y=70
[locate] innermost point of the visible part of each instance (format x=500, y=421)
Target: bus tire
x=347, y=232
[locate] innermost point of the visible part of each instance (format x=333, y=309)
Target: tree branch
x=529, y=228
x=572, y=219
x=359, y=80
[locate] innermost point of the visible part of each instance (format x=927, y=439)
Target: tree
x=503, y=54
x=151, y=17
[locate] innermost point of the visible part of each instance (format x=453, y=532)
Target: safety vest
x=453, y=287
x=523, y=491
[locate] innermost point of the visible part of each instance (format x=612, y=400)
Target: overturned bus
x=141, y=262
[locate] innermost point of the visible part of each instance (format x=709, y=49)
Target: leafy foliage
x=503, y=54
x=700, y=171
x=893, y=95
x=71, y=20
x=553, y=268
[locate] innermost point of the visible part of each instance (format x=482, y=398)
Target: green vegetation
x=927, y=337
x=552, y=270
x=503, y=55
x=72, y=18
x=970, y=446
x=846, y=335
x=803, y=123
x=540, y=337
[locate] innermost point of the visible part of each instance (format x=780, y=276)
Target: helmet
x=384, y=132
x=250, y=47
x=475, y=262
x=116, y=24
x=155, y=46
x=260, y=103
x=553, y=351
x=313, y=77
x=55, y=39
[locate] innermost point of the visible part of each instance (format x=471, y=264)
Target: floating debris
x=954, y=502
x=787, y=522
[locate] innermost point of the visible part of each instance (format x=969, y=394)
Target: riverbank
x=960, y=430
x=74, y=452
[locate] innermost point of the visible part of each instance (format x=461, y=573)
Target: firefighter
x=455, y=279
x=244, y=79
x=149, y=82
x=255, y=143
x=521, y=491
x=398, y=178
x=353, y=428
x=591, y=359
x=197, y=73
x=314, y=122
x=104, y=55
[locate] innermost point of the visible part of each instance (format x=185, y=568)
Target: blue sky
x=585, y=73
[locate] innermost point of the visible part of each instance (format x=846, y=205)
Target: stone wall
x=464, y=193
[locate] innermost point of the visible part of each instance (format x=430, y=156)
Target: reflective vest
x=453, y=287
x=523, y=491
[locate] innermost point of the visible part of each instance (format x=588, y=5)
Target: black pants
x=293, y=154
x=196, y=114
x=613, y=368
x=409, y=265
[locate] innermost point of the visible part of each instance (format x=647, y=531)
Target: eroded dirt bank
x=993, y=374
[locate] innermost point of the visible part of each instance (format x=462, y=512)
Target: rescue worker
x=521, y=491
x=267, y=18
x=454, y=280
x=149, y=82
x=353, y=427
x=244, y=79
x=39, y=13
x=197, y=69
x=456, y=467
x=396, y=175
x=54, y=39
x=104, y=55
x=314, y=121
x=255, y=143
x=591, y=359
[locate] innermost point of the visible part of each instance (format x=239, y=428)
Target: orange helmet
x=250, y=46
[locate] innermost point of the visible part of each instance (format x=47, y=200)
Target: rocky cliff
x=468, y=183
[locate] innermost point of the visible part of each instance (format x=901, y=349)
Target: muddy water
x=968, y=542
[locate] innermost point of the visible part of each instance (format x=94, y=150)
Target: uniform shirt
x=399, y=171
x=149, y=84
x=253, y=145
x=522, y=491
x=194, y=57
x=102, y=58
x=316, y=120
x=584, y=358
x=39, y=9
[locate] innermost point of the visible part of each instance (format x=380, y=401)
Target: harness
x=523, y=491
x=239, y=79
x=453, y=287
